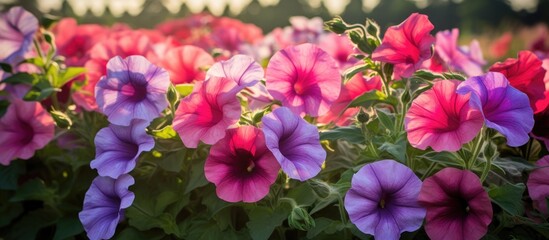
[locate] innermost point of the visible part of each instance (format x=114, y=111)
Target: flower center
x=245, y=160
x=383, y=201
x=299, y=88
x=26, y=133
x=135, y=91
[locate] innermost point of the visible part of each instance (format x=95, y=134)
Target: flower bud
x=300, y=219
x=363, y=117
x=61, y=119
x=321, y=189
x=336, y=25
x=172, y=94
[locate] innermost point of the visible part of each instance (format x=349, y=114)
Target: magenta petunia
x=407, y=45
x=17, y=29
x=118, y=147
x=242, y=69
x=304, y=78
x=457, y=205
x=538, y=185
x=382, y=200
x=504, y=107
x=459, y=58
x=294, y=143
x=132, y=89
x=185, y=64
x=207, y=112
x=104, y=205
x=241, y=166
x=24, y=128
x=442, y=119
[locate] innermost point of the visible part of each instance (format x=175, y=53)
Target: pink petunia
x=340, y=48
x=459, y=58
x=407, y=45
x=185, y=64
x=538, y=185
x=207, y=112
x=74, y=41
x=241, y=166
x=442, y=119
x=24, y=128
x=242, y=69
x=304, y=78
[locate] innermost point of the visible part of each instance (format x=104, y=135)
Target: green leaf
x=372, y=97
x=20, y=77
x=4, y=104
x=130, y=233
x=67, y=227
x=29, y=225
x=397, y=149
x=325, y=225
x=164, y=133
x=427, y=75
x=173, y=162
x=68, y=74
x=184, y=89
x=451, y=75
x=509, y=197
x=10, y=174
x=444, y=158
x=351, y=134
x=6, y=67
x=34, y=189
x=264, y=220
x=513, y=165
x=352, y=71
x=386, y=119
x=197, y=178
x=8, y=212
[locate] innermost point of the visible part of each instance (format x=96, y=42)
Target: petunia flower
x=442, y=119
x=406, y=45
x=185, y=63
x=382, y=200
x=242, y=69
x=104, y=205
x=118, y=147
x=304, y=78
x=340, y=48
x=132, y=89
x=505, y=108
x=24, y=128
x=457, y=205
x=526, y=74
x=74, y=41
x=17, y=29
x=207, y=112
x=538, y=185
x=459, y=58
x=241, y=166
x=294, y=143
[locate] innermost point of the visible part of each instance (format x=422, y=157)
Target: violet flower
x=17, y=29
x=132, y=89
x=118, y=147
x=294, y=143
x=104, y=205
x=242, y=69
x=505, y=108
x=382, y=200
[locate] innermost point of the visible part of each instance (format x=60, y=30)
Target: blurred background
x=486, y=20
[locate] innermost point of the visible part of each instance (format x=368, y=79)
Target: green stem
x=486, y=169
x=368, y=142
x=429, y=170
x=479, y=142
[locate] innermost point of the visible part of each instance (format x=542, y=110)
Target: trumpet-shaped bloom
x=118, y=147
x=185, y=63
x=304, y=78
x=17, y=28
x=132, y=89
x=457, y=205
x=24, y=128
x=104, y=205
x=242, y=69
x=294, y=143
x=538, y=184
x=407, y=45
x=526, y=74
x=241, y=166
x=465, y=59
x=504, y=108
x=207, y=112
x=382, y=200
x=442, y=119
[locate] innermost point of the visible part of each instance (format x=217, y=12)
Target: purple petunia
x=294, y=143
x=17, y=29
x=242, y=69
x=504, y=108
x=382, y=200
x=118, y=147
x=132, y=89
x=104, y=205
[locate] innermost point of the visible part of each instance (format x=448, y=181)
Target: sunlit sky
x=217, y=7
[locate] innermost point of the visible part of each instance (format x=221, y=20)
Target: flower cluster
x=204, y=127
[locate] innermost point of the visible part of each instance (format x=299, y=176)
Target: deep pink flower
x=241, y=166
x=207, y=112
x=24, y=128
x=457, y=205
x=304, y=78
x=17, y=29
x=340, y=48
x=407, y=45
x=74, y=41
x=132, y=89
x=186, y=64
x=500, y=47
x=538, y=184
x=242, y=69
x=442, y=119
